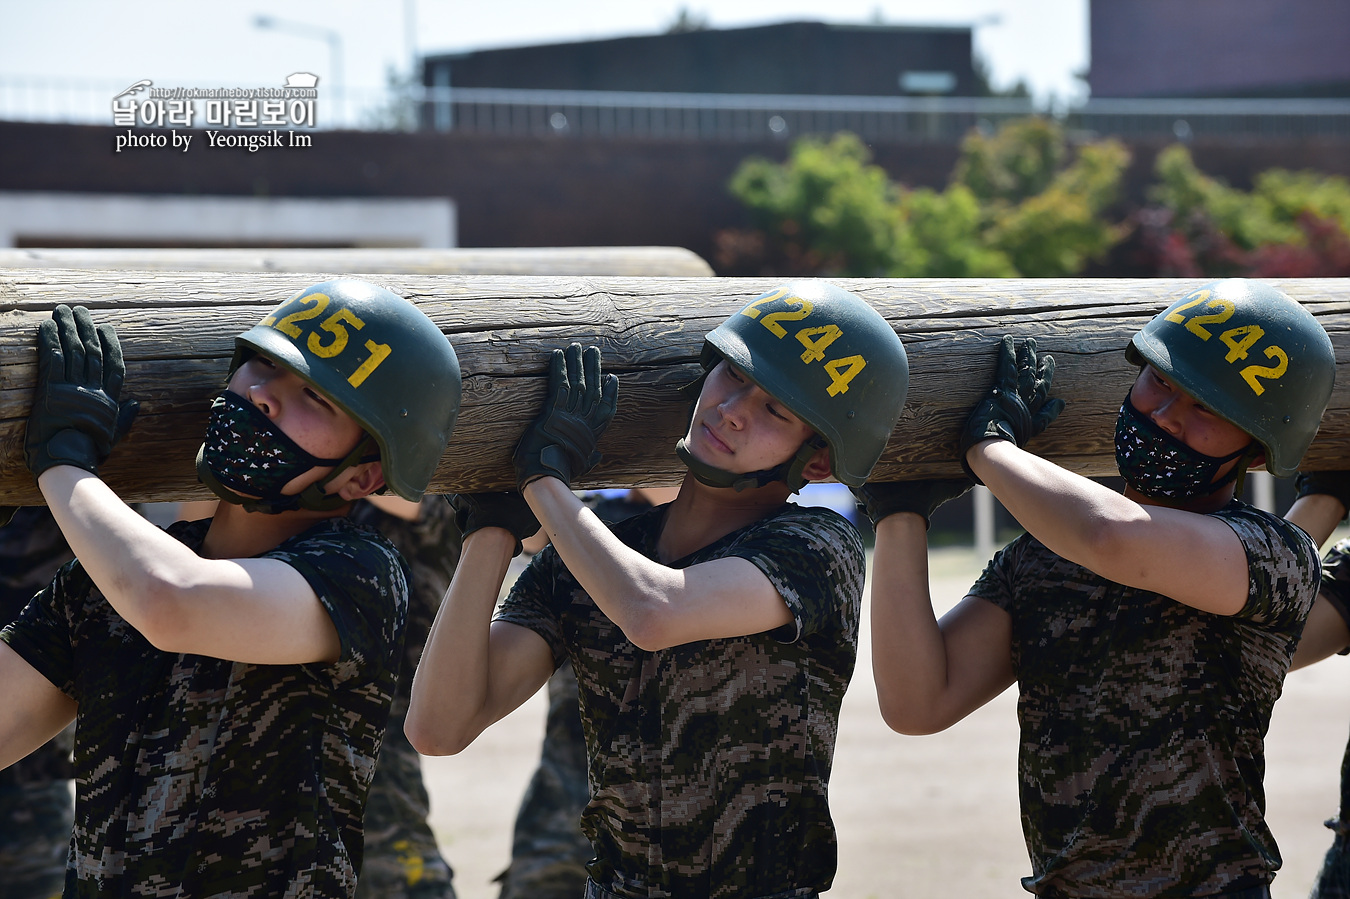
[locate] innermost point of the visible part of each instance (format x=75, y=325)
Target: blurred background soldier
x=36, y=808
x=1322, y=504
x=402, y=859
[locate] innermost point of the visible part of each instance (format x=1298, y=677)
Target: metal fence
x=724, y=117
x=1186, y=119
x=90, y=101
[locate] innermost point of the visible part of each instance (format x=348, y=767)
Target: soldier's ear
x=818, y=469
x=364, y=480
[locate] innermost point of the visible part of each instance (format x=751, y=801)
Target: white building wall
x=75, y=219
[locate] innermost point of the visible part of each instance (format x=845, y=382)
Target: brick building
x=1220, y=48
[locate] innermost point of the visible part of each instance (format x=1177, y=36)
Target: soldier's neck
x=237, y=534
x=701, y=515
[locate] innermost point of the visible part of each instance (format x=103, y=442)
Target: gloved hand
x=921, y=497
x=1017, y=406
x=76, y=418
x=475, y=511
x=561, y=442
x=1034, y=377
x=1332, y=483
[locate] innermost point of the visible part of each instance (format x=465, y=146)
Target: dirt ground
x=920, y=817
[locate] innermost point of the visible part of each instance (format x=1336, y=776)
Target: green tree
x=687, y=21
x=1055, y=233
x=1013, y=208
x=1248, y=220
x=398, y=112
x=1016, y=162
x=1290, y=195
x=827, y=206
x=942, y=237
x=1291, y=224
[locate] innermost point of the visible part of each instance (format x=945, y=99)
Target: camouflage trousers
x=1333, y=882
x=548, y=850
x=402, y=860
x=35, y=824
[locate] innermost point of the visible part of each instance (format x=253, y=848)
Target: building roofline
x=824, y=26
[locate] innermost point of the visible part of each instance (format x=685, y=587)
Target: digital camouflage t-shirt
x=429, y=545
x=200, y=777
x=1143, y=719
x=709, y=761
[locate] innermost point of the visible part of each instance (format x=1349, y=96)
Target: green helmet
x=829, y=357
x=1251, y=355
x=378, y=358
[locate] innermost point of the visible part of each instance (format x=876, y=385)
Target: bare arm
x=34, y=710
x=1324, y=634
x=656, y=606
x=473, y=671
x=1318, y=514
x=1194, y=559
x=398, y=506
x=260, y=611
x=930, y=674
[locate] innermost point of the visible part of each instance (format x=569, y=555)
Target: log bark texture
x=177, y=331
x=620, y=261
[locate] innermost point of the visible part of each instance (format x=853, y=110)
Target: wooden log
x=178, y=328
x=669, y=262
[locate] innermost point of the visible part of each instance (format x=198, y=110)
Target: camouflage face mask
x=247, y=453
x=1159, y=465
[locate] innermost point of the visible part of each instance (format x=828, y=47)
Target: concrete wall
x=527, y=192
x=508, y=192
x=77, y=219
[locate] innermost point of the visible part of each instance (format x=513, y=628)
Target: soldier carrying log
x=712, y=637
x=232, y=677
x=1149, y=632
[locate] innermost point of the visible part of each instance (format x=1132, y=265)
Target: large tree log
x=177, y=331
x=666, y=262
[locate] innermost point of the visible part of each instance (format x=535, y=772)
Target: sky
x=219, y=44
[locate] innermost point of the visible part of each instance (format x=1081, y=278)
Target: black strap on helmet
x=1238, y=474
x=789, y=472
x=312, y=497
x=316, y=498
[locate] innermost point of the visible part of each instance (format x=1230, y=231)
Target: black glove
x=1034, y=377
x=561, y=442
x=920, y=497
x=76, y=419
x=1017, y=406
x=1335, y=484
x=475, y=511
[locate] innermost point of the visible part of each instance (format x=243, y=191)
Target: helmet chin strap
x=313, y=497
x=1237, y=475
x=1239, y=471
x=789, y=472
